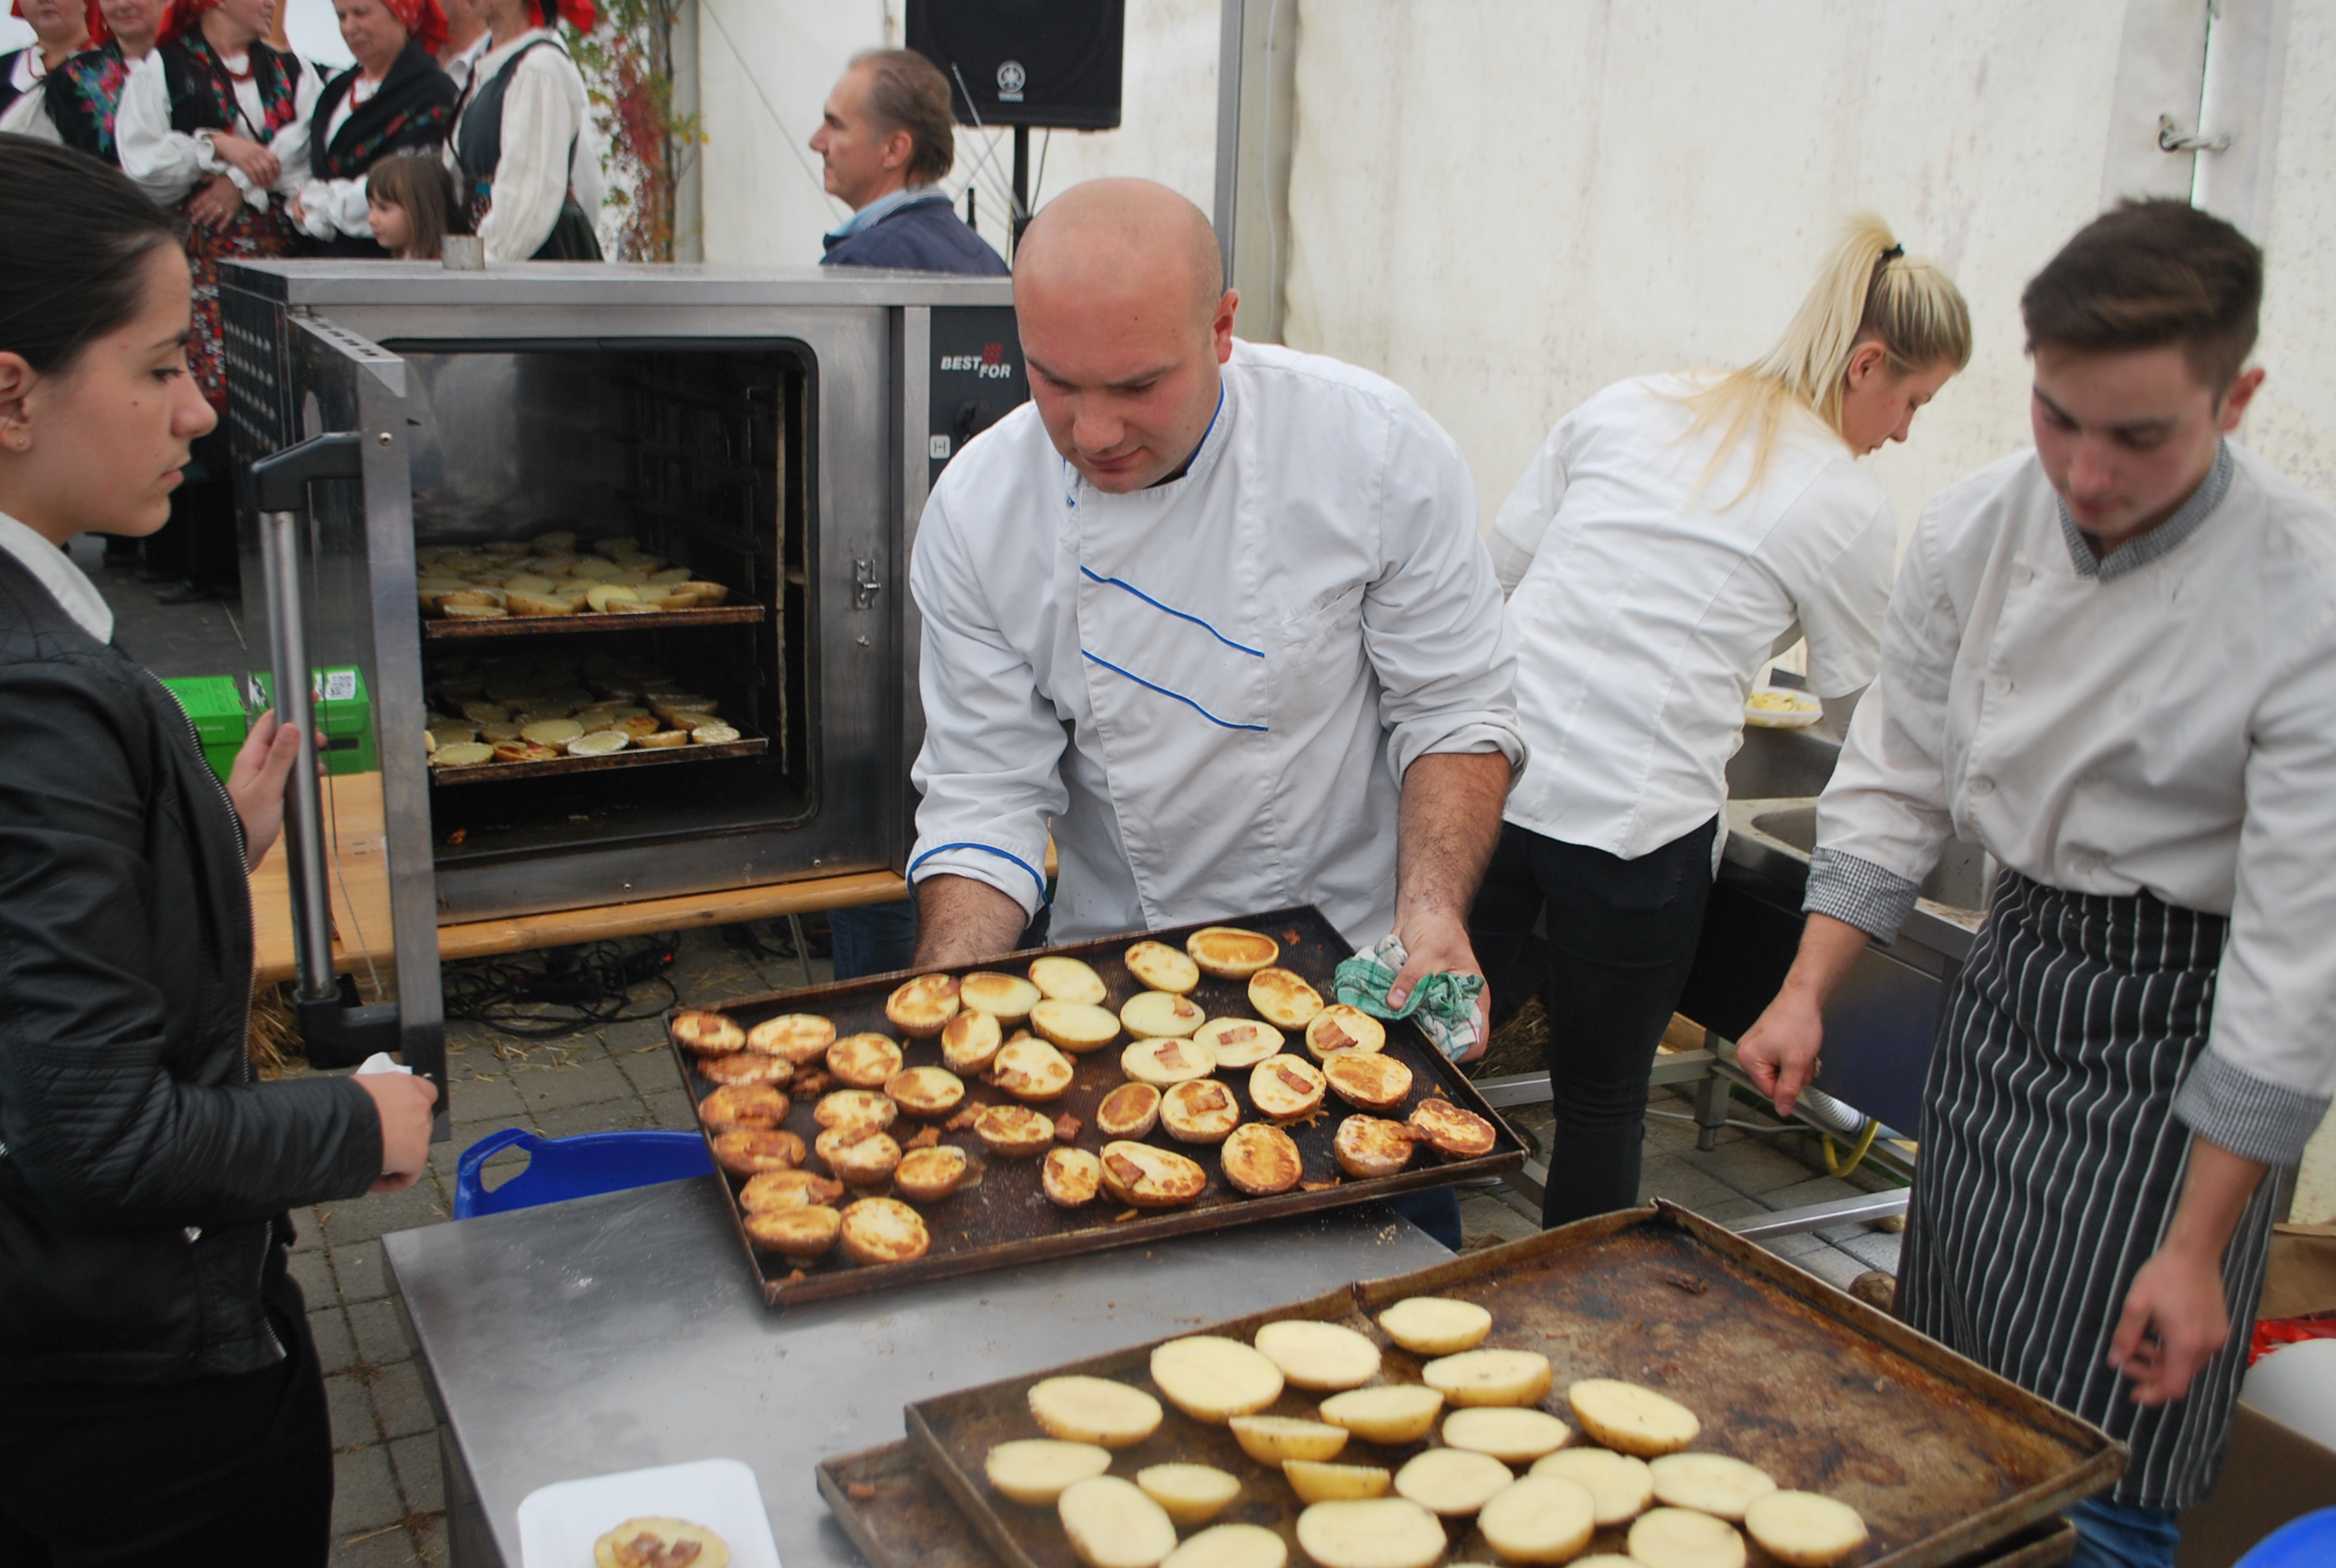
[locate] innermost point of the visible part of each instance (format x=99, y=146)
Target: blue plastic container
x=2306, y=1542
x=559, y=1169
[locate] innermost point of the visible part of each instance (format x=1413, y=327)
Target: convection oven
x=602, y=588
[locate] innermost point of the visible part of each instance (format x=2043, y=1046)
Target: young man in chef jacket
x=1216, y=610
x=2112, y=661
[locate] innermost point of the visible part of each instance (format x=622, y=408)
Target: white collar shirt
x=54, y=570
x=2162, y=721
x=1212, y=686
x=1643, y=601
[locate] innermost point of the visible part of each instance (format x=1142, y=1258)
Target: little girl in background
x=409, y=202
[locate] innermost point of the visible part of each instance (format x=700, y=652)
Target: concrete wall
x=767, y=65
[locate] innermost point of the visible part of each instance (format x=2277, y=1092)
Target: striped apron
x=2051, y=1163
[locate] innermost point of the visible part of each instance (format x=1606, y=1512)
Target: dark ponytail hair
x=74, y=238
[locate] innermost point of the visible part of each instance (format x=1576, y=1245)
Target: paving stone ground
x=388, y=1506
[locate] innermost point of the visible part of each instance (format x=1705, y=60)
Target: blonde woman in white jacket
x=1673, y=534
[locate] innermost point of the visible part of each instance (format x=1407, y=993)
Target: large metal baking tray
x=632, y=756
x=550, y=625
x=1943, y=1459
x=898, y=1517
x=1001, y=1217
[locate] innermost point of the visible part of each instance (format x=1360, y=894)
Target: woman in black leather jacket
x=159, y=1398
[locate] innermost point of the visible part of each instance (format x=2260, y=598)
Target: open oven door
x=318, y=431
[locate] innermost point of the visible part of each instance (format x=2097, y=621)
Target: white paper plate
x=558, y=1524
x=1807, y=710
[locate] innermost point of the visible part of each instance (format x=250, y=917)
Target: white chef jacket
x=1643, y=601
x=168, y=164
x=546, y=147
x=1212, y=686
x=2161, y=719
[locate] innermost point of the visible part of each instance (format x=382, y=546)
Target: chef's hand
x=2175, y=1316
x=259, y=166
x=215, y=201
x=256, y=783
x=1438, y=944
x=1779, y=1052
x=404, y=1101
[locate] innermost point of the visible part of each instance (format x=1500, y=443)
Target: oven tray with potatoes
x=1001, y=1215
x=1943, y=1461
x=889, y=1505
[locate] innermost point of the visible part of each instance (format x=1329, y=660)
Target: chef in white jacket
x=1216, y=610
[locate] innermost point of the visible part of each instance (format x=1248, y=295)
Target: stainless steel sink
x=1782, y=764
x=1960, y=880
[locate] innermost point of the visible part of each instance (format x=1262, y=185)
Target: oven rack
x=632, y=756
x=556, y=625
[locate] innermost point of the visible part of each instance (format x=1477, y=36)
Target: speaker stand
x=1021, y=187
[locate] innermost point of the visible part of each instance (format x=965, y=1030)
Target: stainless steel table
x=616, y=1332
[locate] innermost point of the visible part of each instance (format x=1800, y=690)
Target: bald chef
x=1217, y=610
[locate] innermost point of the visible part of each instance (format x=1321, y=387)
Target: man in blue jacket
x=887, y=142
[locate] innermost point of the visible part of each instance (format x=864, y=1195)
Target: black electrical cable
x=573, y=989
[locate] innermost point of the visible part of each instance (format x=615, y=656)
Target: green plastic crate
x=345, y=733
x=216, y=710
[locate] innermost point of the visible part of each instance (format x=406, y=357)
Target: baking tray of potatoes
x=1643, y=1382
x=918, y=1171
x=887, y=1503
x=641, y=620
x=632, y=756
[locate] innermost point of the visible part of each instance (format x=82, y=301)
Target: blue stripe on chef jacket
x=985, y=849
x=1093, y=576
x=1180, y=696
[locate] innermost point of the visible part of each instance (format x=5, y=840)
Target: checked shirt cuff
x=1874, y=900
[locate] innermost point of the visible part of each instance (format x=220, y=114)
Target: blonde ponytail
x=1870, y=290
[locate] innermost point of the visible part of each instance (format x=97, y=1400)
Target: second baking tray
x=1001, y=1217
x=1943, y=1459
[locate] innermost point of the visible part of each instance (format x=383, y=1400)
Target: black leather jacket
x=144, y=1174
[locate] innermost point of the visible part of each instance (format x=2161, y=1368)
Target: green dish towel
x=1443, y=1005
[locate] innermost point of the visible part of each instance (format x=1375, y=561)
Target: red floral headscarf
x=184, y=14
x=97, y=32
x=423, y=22
x=577, y=14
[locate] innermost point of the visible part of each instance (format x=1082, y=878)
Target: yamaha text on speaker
x=1050, y=63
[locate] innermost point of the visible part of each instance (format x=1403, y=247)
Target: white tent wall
x=1504, y=205
x=765, y=66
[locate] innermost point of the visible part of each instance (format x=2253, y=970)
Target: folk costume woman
x=518, y=150
x=79, y=99
x=61, y=29
x=394, y=100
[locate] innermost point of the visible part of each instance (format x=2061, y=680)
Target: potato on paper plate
x=1383, y=1532
x=1436, y=1325
x=1113, y=1525
x=1093, y=1410
x=1390, y=1414
x=1620, y=1487
x=1490, y=1376
x=1318, y=1356
x=1214, y=1380
x=1509, y=1433
x=1805, y=1529
x=1231, y=953
x=1275, y=1441
x=1452, y=1482
x=1162, y=968
x=1630, y=1419
x=1192, y=1493
x=1231, y=1546
x=1710, y=1483
x=1315, y=1482
x=1539, y=1519
x=918, y=1008
x=1068, y=980
x=1036, y=1470
x=639, y=1542
x=1677, y=1538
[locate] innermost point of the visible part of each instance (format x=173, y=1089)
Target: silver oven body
x=777, y=432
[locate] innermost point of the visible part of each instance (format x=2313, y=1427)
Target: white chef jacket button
x=1981, y=785
x=1998, y=685
x=2129, y=700
x=2023, y=574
